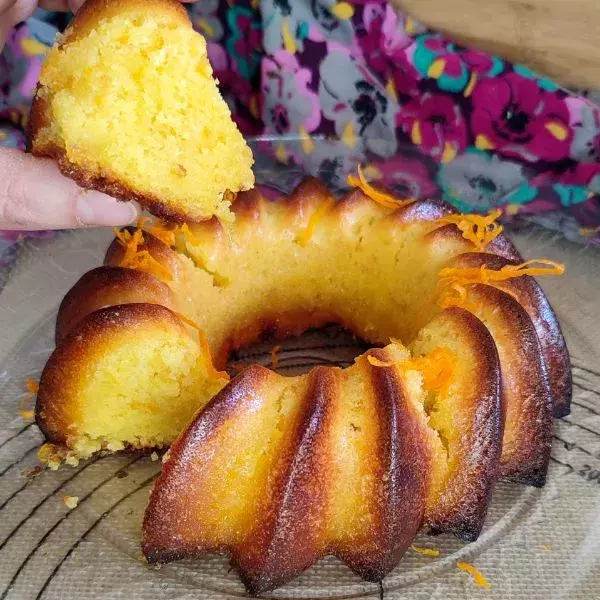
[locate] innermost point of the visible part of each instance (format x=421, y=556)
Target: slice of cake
x=128, y=105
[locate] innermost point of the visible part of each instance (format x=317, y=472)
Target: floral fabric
x=430, y=117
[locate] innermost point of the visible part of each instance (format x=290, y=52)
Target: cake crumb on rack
x=71, y=501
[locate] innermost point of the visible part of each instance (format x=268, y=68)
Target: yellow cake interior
x=135, y=100
x=144, y=388
x=375, y=278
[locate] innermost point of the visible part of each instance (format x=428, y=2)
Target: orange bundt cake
x=127, y=104
x=279, y=471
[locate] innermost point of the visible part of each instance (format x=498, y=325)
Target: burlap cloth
x=537, y=543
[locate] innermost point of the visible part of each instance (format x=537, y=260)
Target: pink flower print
x=480, y=63
x=582, y=174
x=407, y=176
x=514, y=116
x=435, y=124
x=585, y=120
x=454, y=68
x=225, y=73
x=290, y=106
x=384, y=24
x=381, y=46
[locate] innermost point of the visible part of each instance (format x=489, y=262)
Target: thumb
x=35, y=195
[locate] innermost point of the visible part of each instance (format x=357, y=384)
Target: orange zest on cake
x=160, y=229
x=532, y=268
x=317, y=217
x=478, y=229
x=379, y=196
x=452, y=281
x=437, y=368
x=205, y=348
x=133, y=258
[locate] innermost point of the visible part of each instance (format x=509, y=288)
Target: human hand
x=33, y=192
x=35, y=195
x=15, y=11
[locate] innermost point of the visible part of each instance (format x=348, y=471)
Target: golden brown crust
x=92, y=11
x=165, y=518
x=288, y=534
x=525, y=388
x=423, y=210
x=404, y=458
x=289, y=537
x=501, y=246
x=104, y=183
x=530, y=296
x=159, y=251
x=462, y=506
x=108, y=286
x=57, y=399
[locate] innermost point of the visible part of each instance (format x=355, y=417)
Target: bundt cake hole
x=296, y=354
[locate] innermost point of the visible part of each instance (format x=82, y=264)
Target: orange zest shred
x=187, y=233
x=159, y=229
x=275, y=356
x=25, y=410
x=379, y=196
x=425, y=551
x=318, y=215
x=477, y=575
x=451, y=289
x=205, y=349
x=141, y=260
x=33, y=387
x=483, y=274
x=437, y=368
x=380, y=363
x=456, y=295
x=480, y=230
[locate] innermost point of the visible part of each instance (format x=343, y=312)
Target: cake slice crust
x=118, y=107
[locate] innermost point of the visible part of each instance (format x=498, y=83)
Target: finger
x=35, y=195
x=62, y=5
x=11, y=13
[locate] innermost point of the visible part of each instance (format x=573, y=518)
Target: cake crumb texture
x=128, y=104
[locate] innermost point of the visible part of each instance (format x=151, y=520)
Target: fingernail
x=96, y=208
